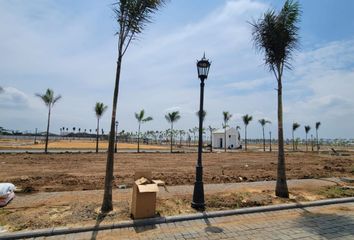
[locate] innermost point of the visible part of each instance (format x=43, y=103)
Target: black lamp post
x=203, y=66
x=115, y=145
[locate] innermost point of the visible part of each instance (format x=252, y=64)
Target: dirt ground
x=81, y=208
x=53, y=187
x=85, y=171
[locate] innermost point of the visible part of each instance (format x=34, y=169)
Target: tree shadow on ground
x=326, y=224
x=210, y=227
x=99, y=219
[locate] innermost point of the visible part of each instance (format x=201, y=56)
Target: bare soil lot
x=57, y=181
x=78, y=171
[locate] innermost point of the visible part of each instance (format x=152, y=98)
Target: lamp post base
x=198, y=196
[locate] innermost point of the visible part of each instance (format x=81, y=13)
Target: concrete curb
x=171, y=219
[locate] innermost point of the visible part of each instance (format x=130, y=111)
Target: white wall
x=231, y=139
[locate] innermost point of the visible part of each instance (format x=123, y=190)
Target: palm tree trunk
x=97, y=134
x=47, y=133
x=317, y=143
x=306, y=143
x=245, y=137
x=171, y=135
x=107, y=197
x=225, y=138
x=211, y=141
x=293, y=141
x=139, y=139
x=263, y=139
x=281, y=189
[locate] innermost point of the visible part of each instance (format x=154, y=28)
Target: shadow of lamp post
x=203, y=66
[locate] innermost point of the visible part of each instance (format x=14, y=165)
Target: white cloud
x=12, y=98
x=72, y=50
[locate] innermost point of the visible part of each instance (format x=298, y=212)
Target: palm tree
x=100, y=108
x=276, y=35
x=318, y=124
x=181, y=134
x=211, y=130
x=226, y=117
x=49, y=100
x=295, y=126
x=263, y=122
x=246, y=120
x=203, y=115
x=171, y=118
x=132, y=17
x=307, y=129
x=141, y=119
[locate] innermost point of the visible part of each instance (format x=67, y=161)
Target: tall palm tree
x=276, y=35
x=100, y=108
x=246, y=120
x=49, y=100
x=295, y=126
x=263, y=122
x=140, y=116
x=171, y=118
x=307, y=129
x=132, y=17
x=226, y=117
x=318, y=124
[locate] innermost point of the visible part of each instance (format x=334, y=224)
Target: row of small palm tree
x=307, y=130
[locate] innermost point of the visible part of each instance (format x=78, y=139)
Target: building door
x=220, y=142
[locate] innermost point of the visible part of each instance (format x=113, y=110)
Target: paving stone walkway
x=326, y=222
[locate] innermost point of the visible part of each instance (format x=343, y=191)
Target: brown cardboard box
x=144, y=196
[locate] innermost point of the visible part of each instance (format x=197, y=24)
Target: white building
x=233, y=140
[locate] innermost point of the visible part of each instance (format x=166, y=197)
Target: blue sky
x=70, y=46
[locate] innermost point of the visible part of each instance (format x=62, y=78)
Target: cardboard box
x=144, y=196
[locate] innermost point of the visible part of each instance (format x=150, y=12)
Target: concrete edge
x=171, y=219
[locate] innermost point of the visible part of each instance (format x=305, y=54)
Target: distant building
x=233, y=140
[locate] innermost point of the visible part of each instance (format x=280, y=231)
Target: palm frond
x=147, y=119
x=276, y=35
x=307, y=129
x=132, y=17
x=247, y=119
x=172, y=117
x=100, y=108
x=295, y=126
x=48, y=98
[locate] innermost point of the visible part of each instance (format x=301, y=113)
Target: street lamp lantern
x=198, y=203
x=203, y=66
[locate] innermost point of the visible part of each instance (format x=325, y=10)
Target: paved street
x=325, y=222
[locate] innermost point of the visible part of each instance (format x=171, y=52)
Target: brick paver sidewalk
x=326, y=222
